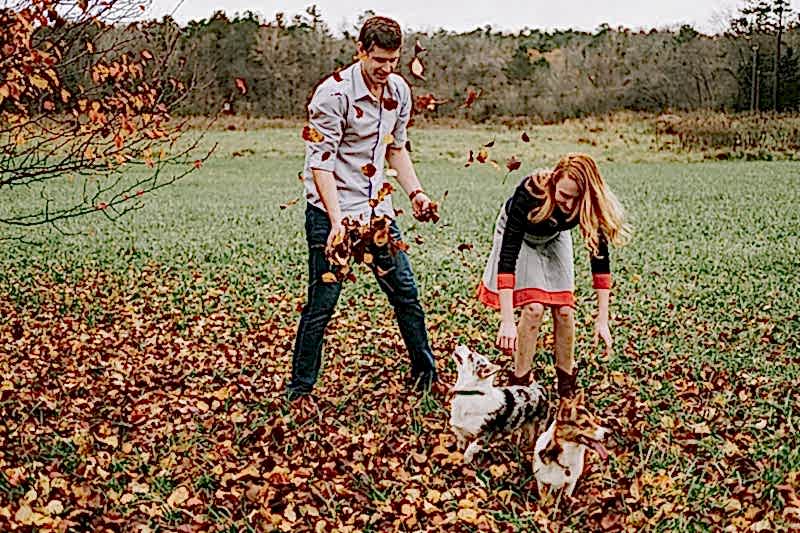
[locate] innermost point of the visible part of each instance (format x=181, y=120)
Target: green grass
x=705, y=295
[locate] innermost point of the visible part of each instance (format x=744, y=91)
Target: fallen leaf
x=178, y=496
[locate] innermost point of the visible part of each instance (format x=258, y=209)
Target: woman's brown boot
x=567, y=383
x=523, y=380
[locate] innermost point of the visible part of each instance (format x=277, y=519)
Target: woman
x=531, y=264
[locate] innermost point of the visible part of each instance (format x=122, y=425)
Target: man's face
x=378, y=63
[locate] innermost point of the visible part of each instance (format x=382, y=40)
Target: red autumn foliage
x=472, y=95
x=80, y=97
x=428, y=102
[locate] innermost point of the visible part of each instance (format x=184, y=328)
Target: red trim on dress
x=506, y=281
x=527, y=296
x=601, y=281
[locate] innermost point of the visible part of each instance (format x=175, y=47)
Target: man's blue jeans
x=398, y=284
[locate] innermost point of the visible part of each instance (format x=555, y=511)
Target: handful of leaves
x=371, y=244
x=429, y=214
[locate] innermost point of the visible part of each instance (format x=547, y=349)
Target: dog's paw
x=470, y=452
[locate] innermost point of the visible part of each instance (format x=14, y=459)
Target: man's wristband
x=413, y=193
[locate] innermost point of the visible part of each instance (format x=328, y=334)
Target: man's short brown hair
x=381, y=31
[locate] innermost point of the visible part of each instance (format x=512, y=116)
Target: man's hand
x=420, y=204
x=424, y=210
x=336, y=236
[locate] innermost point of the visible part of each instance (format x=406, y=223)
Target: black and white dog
x=480, y=409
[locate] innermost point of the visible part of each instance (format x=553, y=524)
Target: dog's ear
x=460, y=353
x=565, y=407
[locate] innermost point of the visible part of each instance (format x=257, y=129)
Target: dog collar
x=470, y=393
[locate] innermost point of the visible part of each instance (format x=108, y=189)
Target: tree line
x=551, y=75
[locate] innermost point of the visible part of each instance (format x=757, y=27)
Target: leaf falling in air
x=417, y=68
x=471, y=97
x=390, y=103
x=311, y=134
x=368, y=170
x=241, y=85
x=290, y=203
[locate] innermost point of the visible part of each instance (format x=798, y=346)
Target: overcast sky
x=465, y=15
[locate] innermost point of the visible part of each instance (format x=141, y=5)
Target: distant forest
x=263, y=68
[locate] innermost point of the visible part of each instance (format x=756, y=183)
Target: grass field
x=143, y=363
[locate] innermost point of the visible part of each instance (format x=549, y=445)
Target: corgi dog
x=479, y=409
x=559, y=452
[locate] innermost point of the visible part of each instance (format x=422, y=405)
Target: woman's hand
x=601, y=331
x=507, y=337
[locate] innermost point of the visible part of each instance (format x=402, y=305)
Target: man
x=359, y=118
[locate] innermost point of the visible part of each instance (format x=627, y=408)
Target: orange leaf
x=241, y=84
x=39, y=82
x=359, y=111
x=311, y=134
x=471, y=97
x=198, y=163
x=146, y=55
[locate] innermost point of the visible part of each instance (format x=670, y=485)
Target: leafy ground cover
x=143, y=363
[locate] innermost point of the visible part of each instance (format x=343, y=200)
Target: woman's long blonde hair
x=598, y=207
